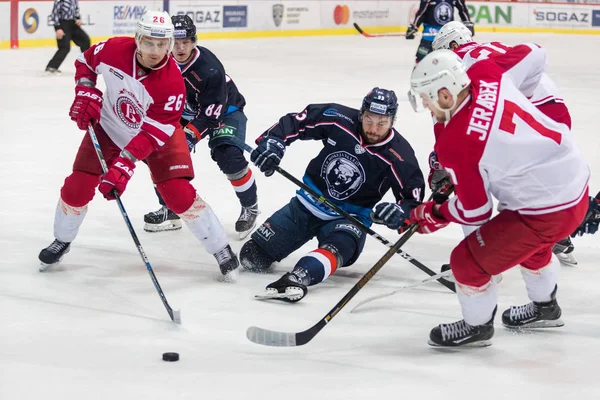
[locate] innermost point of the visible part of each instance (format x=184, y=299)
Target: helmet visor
x=418, y=101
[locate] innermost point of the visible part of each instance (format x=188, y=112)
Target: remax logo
x=31, y=20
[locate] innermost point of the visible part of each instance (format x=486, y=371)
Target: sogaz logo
x=31, y=20
x=568, y=17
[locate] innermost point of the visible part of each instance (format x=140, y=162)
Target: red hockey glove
x=116, y=178
x=424, y=216
x=86, y=106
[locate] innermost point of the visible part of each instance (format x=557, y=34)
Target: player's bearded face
x=183, y=49
x=375, y=127
x=153, y=50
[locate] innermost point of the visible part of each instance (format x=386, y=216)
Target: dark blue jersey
x=434, y=14
x=351, y=173
x=210, y=92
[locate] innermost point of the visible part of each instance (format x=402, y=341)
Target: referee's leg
x=64, y=45
x=81, y=38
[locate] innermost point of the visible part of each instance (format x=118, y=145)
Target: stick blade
x=267, y=337
x=176, y=317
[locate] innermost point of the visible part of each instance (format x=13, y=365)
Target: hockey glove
x=411, y=32
x=470, y=26
x=426, y=217
x=268, y=154
x=592, y=218
x=116, y=178
x=191, y=139
x=391, y=215
x=86, y=106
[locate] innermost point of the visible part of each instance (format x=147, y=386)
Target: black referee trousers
x=72, y=33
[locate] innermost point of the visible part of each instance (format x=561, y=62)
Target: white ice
x=94, y=327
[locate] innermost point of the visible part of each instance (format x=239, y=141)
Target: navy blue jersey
x=434, y=14
x=210, y=92
x=351, y=173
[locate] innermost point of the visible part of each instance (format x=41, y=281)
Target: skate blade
x=567, y=260
x=479, y=343
x=43, y=266
x=163, y=227
x=244, y=234
x=555, y=323
x=291, y=294
x=231, y=276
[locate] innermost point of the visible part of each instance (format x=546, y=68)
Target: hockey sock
x=245, y=187
x=541, y=282
x=318, y=265
x=205, y=225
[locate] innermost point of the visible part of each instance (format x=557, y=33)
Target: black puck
x=170, y=356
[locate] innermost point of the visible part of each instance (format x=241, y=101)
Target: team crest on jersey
x=358, y=149
x=343, y=174
x=128, y=111
x=442, y=13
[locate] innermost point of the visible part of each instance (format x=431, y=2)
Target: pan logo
x=341, y=14
x=31, y=20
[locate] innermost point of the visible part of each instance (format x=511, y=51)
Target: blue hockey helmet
x=380, y=101
x=184, y=27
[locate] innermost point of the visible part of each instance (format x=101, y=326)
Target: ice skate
x=460, y=333
x=534, y=315
x=53, y=254
x=162, y=220
x=52, y=71
x=246, y=221
x=564, y=252
x=287, y=288
x=228, y=263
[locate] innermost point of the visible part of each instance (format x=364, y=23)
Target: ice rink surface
x=94, y=327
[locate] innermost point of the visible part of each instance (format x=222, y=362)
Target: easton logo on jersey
x=128, y=111
x=343, y=174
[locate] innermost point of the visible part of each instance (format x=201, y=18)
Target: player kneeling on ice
x=495, y=142
x=362, y=158
x=213, y=107
x=137, y=118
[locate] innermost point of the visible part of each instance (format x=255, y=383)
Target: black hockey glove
x=268, y=154
x=438, y=179
x=391, y=215
x=592, y=218
x=471, y=26
x=411, y=31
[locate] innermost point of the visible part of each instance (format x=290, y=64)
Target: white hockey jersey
x=134, y=99
x=499, y=144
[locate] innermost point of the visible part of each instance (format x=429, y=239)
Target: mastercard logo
x=341, y=14
x=31, y=20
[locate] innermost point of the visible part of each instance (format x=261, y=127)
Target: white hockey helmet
x=453, y=31
x=156, y=24
x=440, y=69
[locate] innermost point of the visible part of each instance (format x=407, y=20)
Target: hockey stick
x=174, y=314
x=444, y=274
x=289, y=339
x=374, y=35
x=359, y=224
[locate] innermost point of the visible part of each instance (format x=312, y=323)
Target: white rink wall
x=26, y=23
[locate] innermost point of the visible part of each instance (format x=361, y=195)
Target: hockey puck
x=170, y=357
